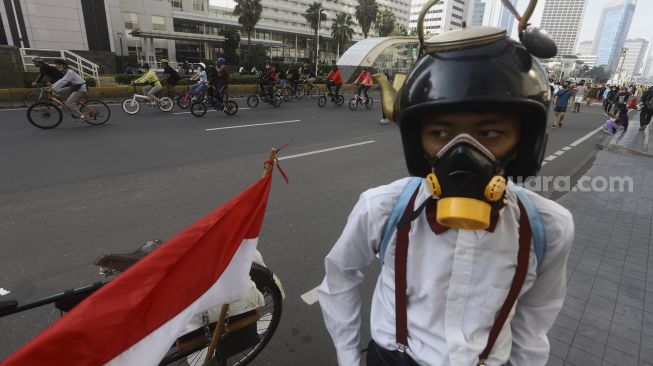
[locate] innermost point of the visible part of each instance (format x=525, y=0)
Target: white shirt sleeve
x=538, y=308
x=338, y=294
x=68, y=77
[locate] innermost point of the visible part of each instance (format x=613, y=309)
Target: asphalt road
x=71, y=194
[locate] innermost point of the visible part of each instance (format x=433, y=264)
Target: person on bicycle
x=202, y=80
x=363, y=83
x=308, y=74
x=213, y=79
x=334, y=78
x=72, y=86
x=269, y=78
x=293, y=78
x=153, y=83
x=170, y=76
x=223, y=79
x=45, y=70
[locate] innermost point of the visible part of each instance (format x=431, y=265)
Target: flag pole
x=219, y=326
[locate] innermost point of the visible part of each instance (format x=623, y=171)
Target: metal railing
x=84, y=67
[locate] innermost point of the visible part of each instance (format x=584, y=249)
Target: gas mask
x=466, y=179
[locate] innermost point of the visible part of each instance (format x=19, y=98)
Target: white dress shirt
x=456, y=283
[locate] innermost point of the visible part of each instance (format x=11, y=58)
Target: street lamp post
x=122, y=56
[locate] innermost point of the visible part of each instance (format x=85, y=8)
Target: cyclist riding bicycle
x=213, y=79
x=293, y=78
x=45, y=70
x=223, y=79
x=363, y=82
x=269, y=78
x=334, y=78
x=170, y=76
x=72, y=86
x=153, y=83
x=203, y=81
x=308, y=74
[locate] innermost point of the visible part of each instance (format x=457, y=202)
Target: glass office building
x=611, y=33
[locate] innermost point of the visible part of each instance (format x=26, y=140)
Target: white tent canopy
x=366, y=53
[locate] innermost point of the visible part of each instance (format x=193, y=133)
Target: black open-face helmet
x=476, y=69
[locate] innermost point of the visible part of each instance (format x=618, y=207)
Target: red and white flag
x=134, y=319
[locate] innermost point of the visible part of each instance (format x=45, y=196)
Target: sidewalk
x=607, y=318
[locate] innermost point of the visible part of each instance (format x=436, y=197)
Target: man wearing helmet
x=223, y=79
x=72, y=86
x=473, y=267
x=45, y=70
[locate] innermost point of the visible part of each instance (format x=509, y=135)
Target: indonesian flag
x=134, y=319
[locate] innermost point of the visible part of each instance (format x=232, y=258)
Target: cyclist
x=308, y=74
x=45, y=70
x=269, y=78
x=203, y=81
x=223, y=79
x=364, y=82
x=334, y=78
x=293, y=78
x=72, y=86
x=213, y=79
x=153, y=83
x=170, y=76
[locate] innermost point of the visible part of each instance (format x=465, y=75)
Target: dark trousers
x=331, y=83
x=378, y=356
x=645, y=116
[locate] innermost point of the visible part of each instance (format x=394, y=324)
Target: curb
x=620, y=149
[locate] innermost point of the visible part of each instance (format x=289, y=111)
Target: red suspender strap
x=401, y=256
x=525, y=235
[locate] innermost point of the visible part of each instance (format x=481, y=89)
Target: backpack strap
x=397, y=212
x=535, y=220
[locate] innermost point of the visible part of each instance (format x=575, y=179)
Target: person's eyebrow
x=491, y=121
x=439, y=123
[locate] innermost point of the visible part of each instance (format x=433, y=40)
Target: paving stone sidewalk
x=607, y=318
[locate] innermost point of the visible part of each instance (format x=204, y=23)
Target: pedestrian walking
x=450, y=290
x=579, y=96
x=647, y=109
x=561, y=104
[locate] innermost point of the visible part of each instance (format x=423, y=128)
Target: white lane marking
x=4, y=292
x=646, y=137
x=310, y=297
x=326, y=150
x=559, y=152
x=210, y=111
x=580, y=140
x=566, y=148
x=254, y=125
x=544, y=163
x=12, y=109
x=550, y=157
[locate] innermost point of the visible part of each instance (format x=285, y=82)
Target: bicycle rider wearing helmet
x=45, y=70
x=333, y=78
x=269, y=78
x=471, y=113
x=153, y=83
x=72, y=86
x=223, y=78
x=202, y=79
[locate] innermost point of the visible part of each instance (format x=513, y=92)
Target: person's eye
x=440, y=133
x=489, y=133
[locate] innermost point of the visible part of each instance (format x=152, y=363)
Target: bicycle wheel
x=321, y=101
x=340, y=100
x=352, y=104
x=184, y=101
x=230, y=107
x=198, y=109
x=131, y=106
x=270, y=315
x=225, y=96
x=299, y=93
x=31, y=97
x=252, y=101
x=286, y=94
x=315, y=92
x=369, y=102
x=95, y=112
x=276, y=101
x=166, y=104
x=44, y=115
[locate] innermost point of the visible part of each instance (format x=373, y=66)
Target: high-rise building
x=612, y=30
x=446, y=15
x=562, y=19
x=492, y=13
x=585, y=48
x=634, y=59
x=478, y=13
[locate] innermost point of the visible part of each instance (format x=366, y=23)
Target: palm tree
x=366, y=11
x=248, y=13
x=399, y=30
x=342, y=30
x=314, y=15
x=384, y=23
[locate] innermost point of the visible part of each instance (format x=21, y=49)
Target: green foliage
x=399, y=30
x=90, y=81
x=413, y=33
x=598, y=74
x=384, y=23
x=248, y=13
x=366, y=12
x=342, y=29
x=125, y=79
x=314, y=15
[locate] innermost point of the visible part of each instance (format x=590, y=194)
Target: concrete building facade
x=611, y=33
x=492, y=13
x=585, y=47
x=445, y=16
x=562, y=19
x=633, y=62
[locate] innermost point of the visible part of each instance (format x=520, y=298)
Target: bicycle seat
x=122, y=261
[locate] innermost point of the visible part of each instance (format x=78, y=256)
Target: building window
x=158, y=23
x=198, y=5
x=131, y=20
x=176, y=4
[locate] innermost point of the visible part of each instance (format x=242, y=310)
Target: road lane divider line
x=566, y=148
x=253, y=125
x=326, y=150
x=310, y=297
x=559, y=152
x=582, y=139
x=550, y=157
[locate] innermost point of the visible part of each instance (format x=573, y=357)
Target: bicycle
x=244, y=336
x=132, y=105
x=311, y=90
x=358, y=100
x=260, y=94
x=322, y=100
x=199, y=108
x=34, y=96
x=296, y=89
x=47, y=114
x=186, y=99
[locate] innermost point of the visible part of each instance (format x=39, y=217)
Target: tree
x=314, y=16
x=413, y=33
x=366, y=11
x=248, y=13
x=399, y=30
x=598, y=74
x=384, y=23
x=231, y=43
x=342, y=30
